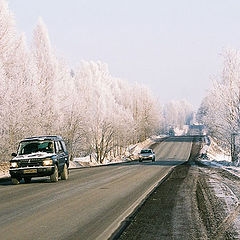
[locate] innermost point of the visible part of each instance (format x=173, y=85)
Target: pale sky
x=172, y=46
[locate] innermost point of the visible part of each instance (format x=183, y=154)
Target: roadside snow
x=219, y=158
x=225, y=189
x=131, y=154
x=4, y=170
x=4, y=175
x=181, y=131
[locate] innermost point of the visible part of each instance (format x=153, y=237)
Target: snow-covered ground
x=219, y=158
x=183, y=131
x=225, y=186
x=4, y=170
x=131, y=154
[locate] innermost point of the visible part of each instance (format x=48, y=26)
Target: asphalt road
x=91, y=204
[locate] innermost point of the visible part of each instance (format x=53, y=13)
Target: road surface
x=91, y=204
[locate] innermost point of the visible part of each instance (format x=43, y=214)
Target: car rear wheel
x=54, y=176
x=64, y=174
x=27, y=179
x=15, y=181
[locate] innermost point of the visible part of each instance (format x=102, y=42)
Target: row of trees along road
x=220, y=109
x=95, y=112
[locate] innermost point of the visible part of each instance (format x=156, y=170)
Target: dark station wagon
x=38, y=157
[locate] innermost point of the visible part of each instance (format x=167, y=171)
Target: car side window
x=64, y=146
x=56, y=147
x=60, y=148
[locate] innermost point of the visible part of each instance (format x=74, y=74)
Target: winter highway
x=92, y=203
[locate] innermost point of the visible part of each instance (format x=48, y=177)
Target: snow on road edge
x=219, y=158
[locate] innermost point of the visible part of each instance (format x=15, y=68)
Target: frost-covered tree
x=8, y=35
x=220, y=110
x=95, y=112
x=104, y=113
x=146, y=112
x=177, y=114
x=16, y=78
x=47, y=74
x=97, y=108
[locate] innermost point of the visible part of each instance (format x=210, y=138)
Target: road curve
x=91, y=204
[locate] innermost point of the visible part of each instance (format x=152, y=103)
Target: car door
x=60, y=155
x=65, y=152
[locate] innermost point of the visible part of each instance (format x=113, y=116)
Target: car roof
x=147, y=149
x=53, y=138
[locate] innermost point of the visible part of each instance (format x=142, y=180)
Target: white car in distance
x=146, y=154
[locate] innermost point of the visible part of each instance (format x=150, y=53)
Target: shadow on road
x=156, y=163
x=164, y=163
x=7, y=182
x=185, y=139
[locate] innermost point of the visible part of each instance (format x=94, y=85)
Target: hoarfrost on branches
x=97, y=114
x=220, y=109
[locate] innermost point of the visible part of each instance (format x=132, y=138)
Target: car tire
x=140, y=160
x=54, y=176
x=64, y=173
x=27, y=179
x=15, y=181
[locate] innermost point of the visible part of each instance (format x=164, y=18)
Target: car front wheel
x=15, y=181
x=64, y=174
x=54, y=176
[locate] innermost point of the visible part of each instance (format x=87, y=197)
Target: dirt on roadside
x=195, y=202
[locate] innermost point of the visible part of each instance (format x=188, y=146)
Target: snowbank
x=219, y=158
x=4, y=170
x=131, y=154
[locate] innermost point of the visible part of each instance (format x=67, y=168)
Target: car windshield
x=29, y=147
x=146, y=151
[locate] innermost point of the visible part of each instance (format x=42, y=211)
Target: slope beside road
x=91, y=204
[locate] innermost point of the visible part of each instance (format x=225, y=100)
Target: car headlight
x=14, y=164
x=47, y=162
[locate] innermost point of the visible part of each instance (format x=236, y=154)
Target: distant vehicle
x=171, y=132
x=146, y=154
x=38, y=157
